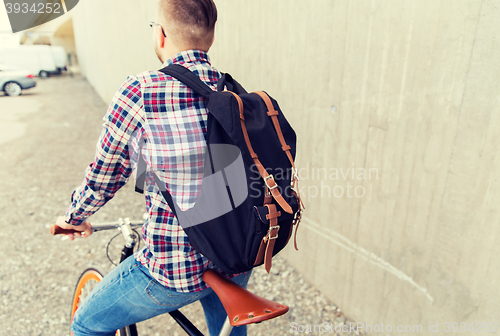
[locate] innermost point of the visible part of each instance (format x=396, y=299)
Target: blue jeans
x=129, y=294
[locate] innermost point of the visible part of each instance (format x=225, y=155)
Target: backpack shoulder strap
x=271, y=111
x=226, y=82
x=189, y=78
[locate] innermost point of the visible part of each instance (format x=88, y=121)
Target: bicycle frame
x=125, y=226
x=242, y=307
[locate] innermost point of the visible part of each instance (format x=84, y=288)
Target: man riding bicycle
x=172, y=119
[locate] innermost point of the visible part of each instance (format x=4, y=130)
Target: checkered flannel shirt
x=172, y=120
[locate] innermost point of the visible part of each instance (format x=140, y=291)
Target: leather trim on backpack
x=274, y=116
x=267, y=244
x=268, y=179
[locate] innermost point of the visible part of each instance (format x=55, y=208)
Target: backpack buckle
x=270, y=177
x=298, y=217
x=271, y=228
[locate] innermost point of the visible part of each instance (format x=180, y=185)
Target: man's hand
x=85, y=229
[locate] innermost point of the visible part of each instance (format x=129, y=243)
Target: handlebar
x=57, y=230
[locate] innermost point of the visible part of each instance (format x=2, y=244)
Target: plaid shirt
x=172, y=120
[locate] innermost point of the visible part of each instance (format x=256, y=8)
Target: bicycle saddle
x=242, y=307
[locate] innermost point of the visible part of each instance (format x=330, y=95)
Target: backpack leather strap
x=274, y=116
x=297, y=219
x=286, y=148
x=268, y=179
x=267, y=244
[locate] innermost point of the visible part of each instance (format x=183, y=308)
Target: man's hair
x=190, y=23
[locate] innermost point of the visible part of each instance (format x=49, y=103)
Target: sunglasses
x=151, y=24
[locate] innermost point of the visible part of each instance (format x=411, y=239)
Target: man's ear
x=162, y=37
x=158, y=36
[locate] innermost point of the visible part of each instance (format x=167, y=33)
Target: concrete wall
x=402, y=93
x=114, y=40
x=64, y=37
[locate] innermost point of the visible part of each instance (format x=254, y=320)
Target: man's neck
x=187, y=56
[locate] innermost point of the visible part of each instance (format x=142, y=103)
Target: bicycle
x=242, y=307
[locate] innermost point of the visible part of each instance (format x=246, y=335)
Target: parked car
x=60, y=58
x=14, y=80
x=37, y=59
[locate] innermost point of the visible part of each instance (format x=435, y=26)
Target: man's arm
x=111, y=167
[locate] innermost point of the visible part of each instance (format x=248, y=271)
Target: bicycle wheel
x=87, y=281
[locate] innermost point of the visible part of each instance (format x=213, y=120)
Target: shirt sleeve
x=112, y=165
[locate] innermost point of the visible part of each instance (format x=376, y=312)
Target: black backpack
x=249, y=199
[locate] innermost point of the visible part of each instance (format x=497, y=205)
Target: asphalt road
x=47, y=139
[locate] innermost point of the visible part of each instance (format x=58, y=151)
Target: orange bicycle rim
x=89, y=275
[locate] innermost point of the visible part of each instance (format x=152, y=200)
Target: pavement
x=47, y=139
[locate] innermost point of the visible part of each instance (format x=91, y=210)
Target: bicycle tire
x=87, y=281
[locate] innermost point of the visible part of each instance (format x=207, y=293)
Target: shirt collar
x=188, y=56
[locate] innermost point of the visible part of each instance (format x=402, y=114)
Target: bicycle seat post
x=226, y=328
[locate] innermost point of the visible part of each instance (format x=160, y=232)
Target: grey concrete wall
x=114, y=40
x=64, y=36
x=405, y=95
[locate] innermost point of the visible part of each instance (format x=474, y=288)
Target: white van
x=37, y=59
x=60, y=58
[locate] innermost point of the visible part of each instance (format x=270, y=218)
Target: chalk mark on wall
x=352, y=247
